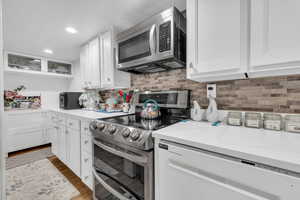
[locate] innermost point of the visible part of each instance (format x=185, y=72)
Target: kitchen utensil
x=150, y=110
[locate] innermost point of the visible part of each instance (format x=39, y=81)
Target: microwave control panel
x=165, y=37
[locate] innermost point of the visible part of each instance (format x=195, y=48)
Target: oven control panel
x=135, y=137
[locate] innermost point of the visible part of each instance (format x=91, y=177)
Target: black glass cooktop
x=135, y=121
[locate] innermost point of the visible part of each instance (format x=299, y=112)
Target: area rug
x=39, y=180
x=30, y=157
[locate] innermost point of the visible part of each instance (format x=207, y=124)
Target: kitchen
x=164, y=100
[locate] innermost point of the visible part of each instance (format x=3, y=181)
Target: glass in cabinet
x=20, y=62
x=59, y=67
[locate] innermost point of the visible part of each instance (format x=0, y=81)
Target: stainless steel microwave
x=157, y=44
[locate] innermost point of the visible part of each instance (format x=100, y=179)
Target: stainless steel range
x=123, y=147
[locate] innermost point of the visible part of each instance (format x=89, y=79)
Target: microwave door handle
x=133, y=158
x=152, y=39
x=108, y=187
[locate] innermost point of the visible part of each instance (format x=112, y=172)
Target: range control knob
x=135, y=135
x=112, y=129
x=100, y=126
x=126, y=132
x=93, y=126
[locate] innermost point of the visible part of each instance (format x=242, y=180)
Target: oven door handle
x=134, y=158
x=152, y=39
x=108, y=187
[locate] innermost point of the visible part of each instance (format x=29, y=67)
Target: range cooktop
x=135, y=121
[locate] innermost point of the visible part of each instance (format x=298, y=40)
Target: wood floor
x=85, y=192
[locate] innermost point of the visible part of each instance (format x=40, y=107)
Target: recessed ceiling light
x=48, y=51
x=71, y=30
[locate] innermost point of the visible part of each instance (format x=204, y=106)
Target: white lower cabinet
x=186, y=173
x=73, y=150
x=65, y=139
x=25, y=130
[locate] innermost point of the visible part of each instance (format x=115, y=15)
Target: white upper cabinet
x=275, y=37
x=107, y=62
x=35, y=65
x=98, y=64
x=217, y=42
x=90, y=65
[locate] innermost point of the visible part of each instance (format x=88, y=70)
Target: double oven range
x=123, y=157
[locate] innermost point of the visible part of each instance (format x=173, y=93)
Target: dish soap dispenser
x=212, y=114
x=196, y=112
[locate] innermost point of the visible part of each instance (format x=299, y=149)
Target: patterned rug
x=39, y=180
x=29, y=157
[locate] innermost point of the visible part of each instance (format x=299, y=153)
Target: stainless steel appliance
x=123, y=148
x=69, y=100
x=157, y=44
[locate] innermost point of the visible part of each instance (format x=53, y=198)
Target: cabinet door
x=185, y=173
x=217, y=39
x=62, y=143
x=73, y=149
x=94, y=63
x=107, y=62
x=84, y=65
x=275, y=39
x=53, y=135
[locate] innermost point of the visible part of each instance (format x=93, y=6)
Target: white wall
x=2, y=138
x=48, y=87
x=76, y=82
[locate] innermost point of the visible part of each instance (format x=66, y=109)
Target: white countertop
x=279, y=149
x=88, y=114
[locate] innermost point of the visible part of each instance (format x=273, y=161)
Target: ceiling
x=30, y=26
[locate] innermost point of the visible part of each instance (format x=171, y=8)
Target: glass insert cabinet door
x=20, y=62
x=59, y=67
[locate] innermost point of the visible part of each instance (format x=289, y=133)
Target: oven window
x=121, y=175
x=134, y=48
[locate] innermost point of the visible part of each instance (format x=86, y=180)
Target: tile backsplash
x=272, y=94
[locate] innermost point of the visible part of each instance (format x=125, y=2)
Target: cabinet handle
x=67, y=132
x=86, y=129
x=85, y=160
x=191, y=65
x=108, y=79
x=70, y=124
x=86, y=141
x=86, y=177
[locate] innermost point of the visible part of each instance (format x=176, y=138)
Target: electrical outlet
x=212, y=90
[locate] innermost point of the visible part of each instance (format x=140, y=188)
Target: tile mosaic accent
x=272, y=94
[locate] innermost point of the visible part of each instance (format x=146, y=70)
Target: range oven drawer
x=116, y=177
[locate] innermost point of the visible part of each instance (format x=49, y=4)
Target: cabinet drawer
x=88, y=180
x=86, y=143
x=61, y=119
x=73, y=123
x=85, y=128
x=86, y=169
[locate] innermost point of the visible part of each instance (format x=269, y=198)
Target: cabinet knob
x=67, y=132
x=191, y=65
x=86, y=177
x=86, y=141
x=85, y=160
x=108, y=79
x=70, y=124
x=86, y=129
